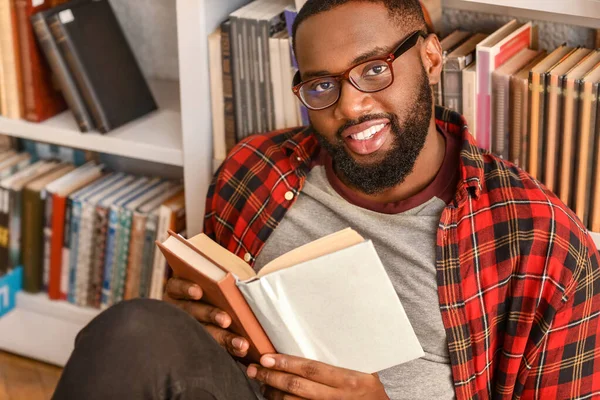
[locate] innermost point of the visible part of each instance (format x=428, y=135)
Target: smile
x=367, y=133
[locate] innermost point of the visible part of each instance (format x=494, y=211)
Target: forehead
x=331, y=39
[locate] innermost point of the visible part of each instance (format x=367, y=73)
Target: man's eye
x=375, y=70
x=322, y=86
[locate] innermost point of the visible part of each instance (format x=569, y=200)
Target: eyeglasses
x=369, y=76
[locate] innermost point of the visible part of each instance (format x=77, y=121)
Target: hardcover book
x=281, y=307
x=100, y=59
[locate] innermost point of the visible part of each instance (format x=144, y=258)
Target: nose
x=352, y=103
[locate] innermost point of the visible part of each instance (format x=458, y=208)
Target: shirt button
x=247, y=257
x=289, y=195
x=298, y=159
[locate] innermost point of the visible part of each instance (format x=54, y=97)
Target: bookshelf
x=179, y=133
x=155, y=137
x=576, y=12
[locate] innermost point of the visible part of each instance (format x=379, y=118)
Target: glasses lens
x=320, y=93
x=372, y=76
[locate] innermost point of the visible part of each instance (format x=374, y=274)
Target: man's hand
x=187, y=296
x=288, y=377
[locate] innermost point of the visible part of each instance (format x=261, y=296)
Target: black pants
x=148, y=349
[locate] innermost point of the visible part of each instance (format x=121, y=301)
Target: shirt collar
x=303, y=149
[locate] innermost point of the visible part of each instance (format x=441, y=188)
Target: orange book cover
x=41, y=96
x=56, y=245
x=225, y=295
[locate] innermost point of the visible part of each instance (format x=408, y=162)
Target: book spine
x=122, y=252
x=498, y=115
x=73, y=252
x=483, y=99
x=228, y=88
x=32, y=220
x=258, y=95
x=10, y=61
x=4, y=232
x=239, y=79
x=84, y=254
x=452, y=82
x=71, y=56
x=29, y=106
x=594, y=223
x=63, y=76
x=41, y=100
x=47, y=238
x=98, y=256
x=65, y=249
x=109, y=258
x=554, y=107
x=266, y=29
x=14, y=242
x=248, y=77
x=470, y=98
x=594, y=117
x=134, y=260
x=148, y=255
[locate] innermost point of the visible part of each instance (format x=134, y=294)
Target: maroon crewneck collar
x=443, y=185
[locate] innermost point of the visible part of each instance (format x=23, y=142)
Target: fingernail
x=221, y=319
x=194, y=292
x=267, y=361
x=237, y=342
x=251, y=371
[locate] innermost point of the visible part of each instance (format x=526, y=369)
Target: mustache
x=365, y=118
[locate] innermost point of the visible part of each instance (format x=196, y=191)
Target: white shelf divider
x=576, y=12
x=153, y=137
x=43, y=329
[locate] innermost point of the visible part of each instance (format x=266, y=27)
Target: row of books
x=252, y=67
x=534, y=107
x=85, y=234
x=56, y=54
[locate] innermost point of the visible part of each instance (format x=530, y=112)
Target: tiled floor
x=23, y=378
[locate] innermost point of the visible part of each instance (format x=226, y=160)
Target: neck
x=426, y=168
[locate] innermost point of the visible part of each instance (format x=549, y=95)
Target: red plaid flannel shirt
x=517, y=273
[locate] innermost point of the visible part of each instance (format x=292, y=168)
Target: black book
x=94, y=46
x=59, y=66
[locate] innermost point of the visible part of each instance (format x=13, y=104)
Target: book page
x=340, y=309
x=317, y=248
x=222, y=257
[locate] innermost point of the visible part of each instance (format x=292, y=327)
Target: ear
x=432, y=57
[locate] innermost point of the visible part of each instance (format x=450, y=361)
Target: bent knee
x=133, y=320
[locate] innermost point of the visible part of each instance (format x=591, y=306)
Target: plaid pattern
x=518, y=277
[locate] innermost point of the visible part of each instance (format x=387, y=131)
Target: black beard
x=399, y=161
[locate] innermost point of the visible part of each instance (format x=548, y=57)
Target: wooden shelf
x=43, y=329
x=154, y=137
x=575, y=12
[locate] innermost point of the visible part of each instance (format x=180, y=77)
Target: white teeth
x=367, y=133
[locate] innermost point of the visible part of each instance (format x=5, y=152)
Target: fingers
x=235, y=345
x=289, y=383
x=311, y=370
x=204, y=312
x=180, y=289
x=276, y=394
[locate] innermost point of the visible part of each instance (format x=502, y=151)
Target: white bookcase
x=179, y=135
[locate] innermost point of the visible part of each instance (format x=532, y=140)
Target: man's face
x=373, y=138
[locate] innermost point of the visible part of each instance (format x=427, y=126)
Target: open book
x=329, y=300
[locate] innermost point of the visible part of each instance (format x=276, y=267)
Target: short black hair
x=407, y=12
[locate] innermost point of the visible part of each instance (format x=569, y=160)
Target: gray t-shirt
x=405, y=243
x=404, y=236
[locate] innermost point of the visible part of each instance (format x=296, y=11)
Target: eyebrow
x=357, y=60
